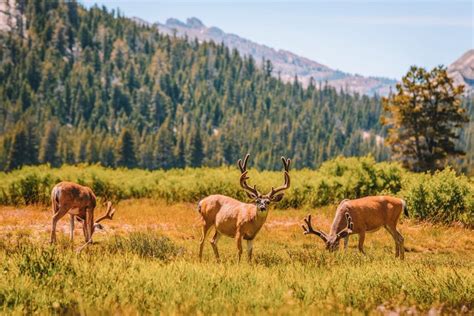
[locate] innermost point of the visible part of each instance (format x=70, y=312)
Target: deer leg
x=398, y=238
x=205, y=230
x=84, y=230
x=346, y=242
x=401, y=245
x=56, y=217
x=87, y=228
x=399, y=241
x=361, y=241
x=393, y=234
x=214, y=241
x=249, y=249
x=71, y=227
x=89, y=223
x=238, y=237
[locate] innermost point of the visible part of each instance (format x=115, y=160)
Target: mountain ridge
x=462, y=71
x=286, y=64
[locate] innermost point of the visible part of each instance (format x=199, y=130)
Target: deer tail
x=55, y=199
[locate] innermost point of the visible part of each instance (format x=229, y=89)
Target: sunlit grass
x=146, y=262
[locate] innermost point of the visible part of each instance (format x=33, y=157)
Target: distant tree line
x=92, y=86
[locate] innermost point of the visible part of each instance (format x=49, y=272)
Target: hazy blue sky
x=379, y=38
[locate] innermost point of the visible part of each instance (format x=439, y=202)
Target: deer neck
x=260, y=217
x=337, y=223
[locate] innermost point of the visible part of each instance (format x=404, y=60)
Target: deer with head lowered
x=236, y=219
x=79, y=202
x=361, y=216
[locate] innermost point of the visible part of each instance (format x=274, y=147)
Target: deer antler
x=109, y=213
x=348, y=230
x=243, y=177
x=243, y=166
x=309, y=229
x=286, y=165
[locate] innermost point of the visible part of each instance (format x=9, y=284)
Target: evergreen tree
x=93, y=154
x=425, y=118
x=95, y=74
x=180, y=153
x=33, y=73
x=32, y=143
x=18, y=151
x=107, y=156
x=49, y=146
x=165, y=145
x=195, y=150
x=126, y=150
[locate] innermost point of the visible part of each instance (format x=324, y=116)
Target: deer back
x=230, y=215
x=368, y=213
x=72, y=195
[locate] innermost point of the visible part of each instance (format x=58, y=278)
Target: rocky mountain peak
x=462, y=71
x=194, y=23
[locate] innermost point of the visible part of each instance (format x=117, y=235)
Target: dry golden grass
x=291, y=273
x=180, y=222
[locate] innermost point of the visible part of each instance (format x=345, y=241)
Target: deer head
x=263, y=200
x=331, y=241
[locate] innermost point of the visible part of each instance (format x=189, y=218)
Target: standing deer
x=363, y=215
x=79, y=201
x=236, y=219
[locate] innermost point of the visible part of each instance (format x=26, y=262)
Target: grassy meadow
x=146, y=262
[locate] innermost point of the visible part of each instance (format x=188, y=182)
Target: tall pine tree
x=424, y=118
x=195, y=150
x=49, y=146
x=18, y=151
x=126, y=150
x=164, y=146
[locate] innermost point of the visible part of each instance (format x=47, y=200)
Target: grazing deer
x=79, y=201
x=236, y=219
x=363, y=215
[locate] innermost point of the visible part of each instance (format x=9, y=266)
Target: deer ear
x=278, y=197
x=98, y=226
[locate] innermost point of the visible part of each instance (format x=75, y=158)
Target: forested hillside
x=91, y=86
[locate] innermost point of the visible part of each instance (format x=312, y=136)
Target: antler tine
x=243, y=166
x=286, y=165
x=348, y=230
x=109, y=214
x=308, y=229
x=244, y=177
x=245, y=186
x=350, y=224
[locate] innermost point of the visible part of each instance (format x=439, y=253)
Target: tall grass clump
x=144, y=244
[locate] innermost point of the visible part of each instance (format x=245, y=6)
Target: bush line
x=440, y=197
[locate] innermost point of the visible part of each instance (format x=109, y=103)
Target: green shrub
x=336, y=180
x=441, y=197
